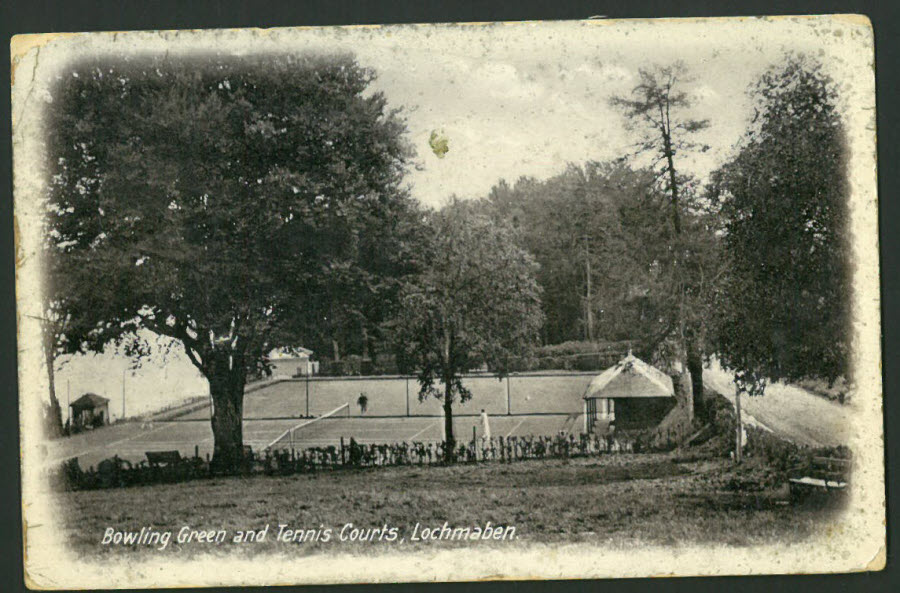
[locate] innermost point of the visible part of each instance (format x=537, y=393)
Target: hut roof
x=630, y=377
x=89, y=400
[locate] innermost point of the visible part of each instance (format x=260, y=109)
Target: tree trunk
x=227, y=377
x=673, y=183
x=365, y=342
x=588, y=312
x=450, y=443
x=684, y=394
x=54, y=420
x=739, y=432
x=336, y=350
x=695, y=368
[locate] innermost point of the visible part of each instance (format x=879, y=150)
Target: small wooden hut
x=89, y=411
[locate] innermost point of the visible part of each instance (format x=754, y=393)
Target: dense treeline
x=592, y=217
x=607, y=225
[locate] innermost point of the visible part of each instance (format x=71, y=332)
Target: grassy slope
x=615, y=501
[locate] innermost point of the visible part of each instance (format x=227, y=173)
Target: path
x=790, y=412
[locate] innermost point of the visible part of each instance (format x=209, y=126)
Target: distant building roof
x=290, y=352
x=630, y=377
x=89, y=400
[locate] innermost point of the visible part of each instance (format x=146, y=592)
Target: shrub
x=581, y=356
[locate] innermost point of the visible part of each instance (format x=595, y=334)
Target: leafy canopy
x=785, y=313
x=210, y=201
x=475, y=302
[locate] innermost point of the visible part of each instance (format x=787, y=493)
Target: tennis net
x=294, y=434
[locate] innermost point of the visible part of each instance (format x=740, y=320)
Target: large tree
x=785, y=309
x=475, y=302
x=205, y=199
x=658, y=110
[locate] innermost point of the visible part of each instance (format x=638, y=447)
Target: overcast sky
x=525, y=99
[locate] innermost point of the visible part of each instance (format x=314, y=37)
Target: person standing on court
x=485, y=425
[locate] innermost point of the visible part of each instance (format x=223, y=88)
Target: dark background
x=41, y=16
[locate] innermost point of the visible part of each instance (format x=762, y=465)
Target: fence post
x=508, y=396
x=307, y=395
x=407, y=397
x=342, y=450
x=196, y=451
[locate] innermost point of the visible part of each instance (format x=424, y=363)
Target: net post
x=307, y=396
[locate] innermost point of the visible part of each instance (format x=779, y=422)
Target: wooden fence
x=168, y=467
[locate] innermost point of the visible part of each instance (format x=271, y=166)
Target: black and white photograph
x=448, y=302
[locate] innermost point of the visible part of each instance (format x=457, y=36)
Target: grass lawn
x=613, y=501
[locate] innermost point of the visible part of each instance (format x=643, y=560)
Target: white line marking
x=421, y=431
x=107, y=445
x=515, y=428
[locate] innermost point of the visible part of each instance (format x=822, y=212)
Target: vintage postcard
x=526, y=300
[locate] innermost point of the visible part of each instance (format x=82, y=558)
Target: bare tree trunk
x=336, y=350
x=227, y=377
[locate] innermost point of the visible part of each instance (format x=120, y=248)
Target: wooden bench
x=823, y=475
x=163, y=458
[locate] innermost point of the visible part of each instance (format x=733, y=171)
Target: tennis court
x=525, y=393
x=540, y=405
x=131, y=441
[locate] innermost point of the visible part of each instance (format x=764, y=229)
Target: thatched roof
x=630, y=377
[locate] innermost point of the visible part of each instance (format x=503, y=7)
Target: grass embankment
x=614, y=501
